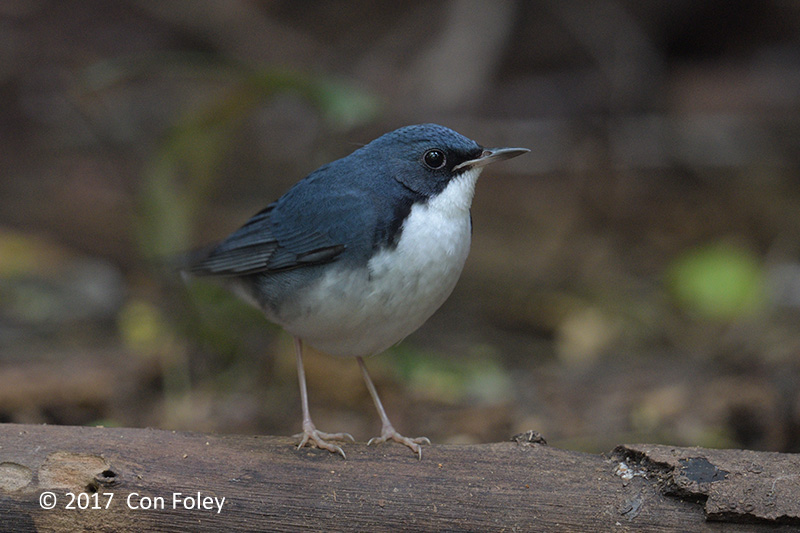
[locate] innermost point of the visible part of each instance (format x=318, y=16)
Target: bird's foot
x=389, y=433
x=313, y=437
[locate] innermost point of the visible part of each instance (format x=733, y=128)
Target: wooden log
x=121, y=479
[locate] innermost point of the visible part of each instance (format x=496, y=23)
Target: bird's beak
x=490, y=155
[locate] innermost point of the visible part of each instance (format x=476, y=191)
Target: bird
x=360, y=253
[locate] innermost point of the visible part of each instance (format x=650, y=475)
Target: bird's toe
x=389, y=433
x=311, y=436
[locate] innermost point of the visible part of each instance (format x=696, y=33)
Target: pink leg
x=310, y=433
x=387, y=430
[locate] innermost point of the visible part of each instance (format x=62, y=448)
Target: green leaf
x=721, y=281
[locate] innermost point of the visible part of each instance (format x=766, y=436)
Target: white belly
x=363, y=312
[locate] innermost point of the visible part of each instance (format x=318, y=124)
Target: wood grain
x=269, y=485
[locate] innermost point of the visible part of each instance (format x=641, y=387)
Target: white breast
x=360, y=313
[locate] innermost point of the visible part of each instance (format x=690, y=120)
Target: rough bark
x=109, y=475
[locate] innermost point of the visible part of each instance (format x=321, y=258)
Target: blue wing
x=296, y=231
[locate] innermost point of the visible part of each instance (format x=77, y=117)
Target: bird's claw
x=389, y=433
x=312, y=436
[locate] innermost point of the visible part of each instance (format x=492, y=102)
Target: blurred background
x=635, y=278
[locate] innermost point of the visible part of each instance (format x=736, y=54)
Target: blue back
x=345, y=210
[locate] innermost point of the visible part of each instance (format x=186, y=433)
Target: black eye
x=434, y=159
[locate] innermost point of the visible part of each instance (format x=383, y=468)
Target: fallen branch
x=106, y=479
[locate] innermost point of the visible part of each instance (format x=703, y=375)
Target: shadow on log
x=105, y=479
